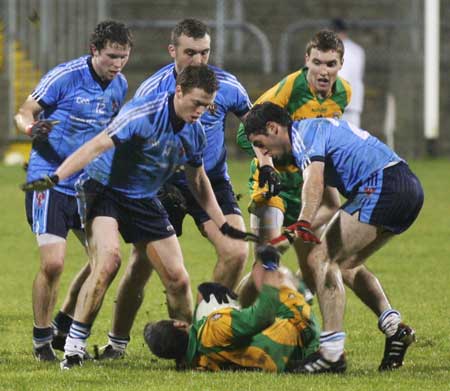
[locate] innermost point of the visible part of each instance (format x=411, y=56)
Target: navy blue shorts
x=52, y=212
x=225, y=198
x=391, y=198
x=139, y=219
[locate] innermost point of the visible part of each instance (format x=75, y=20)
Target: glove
x=172, y=198
x=269, y=256
x=268, y=175
x=39, y=130
x=44, y=183
x=303, y=230
x=235, y=233
x=219, y=291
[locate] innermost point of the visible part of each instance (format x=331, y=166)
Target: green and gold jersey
x=278, y=328
x=294, y=94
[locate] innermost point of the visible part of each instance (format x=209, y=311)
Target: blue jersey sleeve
x=308, y=143
x=236, y=95
x=51, y=87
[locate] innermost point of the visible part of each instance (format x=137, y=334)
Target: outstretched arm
x=83, y=155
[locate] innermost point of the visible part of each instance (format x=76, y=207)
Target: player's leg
x=46, y=214
x=63, y=319
x=129, y=297
x=166, y=258
x=231, y=253
x=104, y=253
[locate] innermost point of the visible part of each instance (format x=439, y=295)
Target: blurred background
x=260, y=42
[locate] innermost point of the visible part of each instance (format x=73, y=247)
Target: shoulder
x=226, y=79
x=67, y=70
x=153, y=82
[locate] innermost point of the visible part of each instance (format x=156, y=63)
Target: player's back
x=350, y=154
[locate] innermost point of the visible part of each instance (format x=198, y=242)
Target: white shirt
x=353, y=71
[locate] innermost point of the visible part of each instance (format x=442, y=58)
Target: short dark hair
x=324, y=41
x=165, y=340
x=198, y=76
x=111, y=31
x=260, y=114
x=192, y=28
x=338, y=25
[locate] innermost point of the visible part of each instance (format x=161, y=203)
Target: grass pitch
x=414, y=269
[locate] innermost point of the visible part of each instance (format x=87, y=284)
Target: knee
x=178, y=283
x=52, y=268
x=234, y=256
x=106, y=267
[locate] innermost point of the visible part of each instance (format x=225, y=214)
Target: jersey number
x=100, y=108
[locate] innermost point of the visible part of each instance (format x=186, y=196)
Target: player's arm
x=312, y=191
x=27, y=114
x=74, y=163
x=200, y=187
x=85, y=154
x=330, y=204
x=27, y=120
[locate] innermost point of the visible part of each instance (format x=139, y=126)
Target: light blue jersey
x=231, y=97
x=74, y=95
x=148, y=147
x=350, y=154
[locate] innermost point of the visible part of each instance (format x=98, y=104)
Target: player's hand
x=39, y=130
x=172, y=198
x=44, y=183
x=268, y=175
x=269, y=257
x=219, y=291
x=235, y=233
x=302, y=229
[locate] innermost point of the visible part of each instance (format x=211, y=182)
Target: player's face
x=190, y=51
x=190, y=106
x=110, y=60
x=275, y=143
x=323, y=68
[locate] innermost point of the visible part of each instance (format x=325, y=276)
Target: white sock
x=118, y=343
x=389, y=321
x=332, y=344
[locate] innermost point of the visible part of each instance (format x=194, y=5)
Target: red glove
x=303, y=230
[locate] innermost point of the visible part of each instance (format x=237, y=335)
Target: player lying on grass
x=271, y=335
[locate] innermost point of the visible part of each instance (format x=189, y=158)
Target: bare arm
x=330, y=204
x=27, y=114
x=312, y=192
x=201, y=189
x=83, y=155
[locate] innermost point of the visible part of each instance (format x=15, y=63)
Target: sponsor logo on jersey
x=82, y=101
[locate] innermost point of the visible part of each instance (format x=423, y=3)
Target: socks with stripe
x=61, y=323
x=77, y=339
x=332, y=344
x=118, y=343
x=388, y=322
x=42, y=336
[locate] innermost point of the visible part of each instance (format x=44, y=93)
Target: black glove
x=269, y=256
x=220, y=292
x=172, y=198
x=235, y=233
x=39, y=130
x=268, y=175
x=44, y=183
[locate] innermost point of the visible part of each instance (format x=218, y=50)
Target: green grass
x=414, y=269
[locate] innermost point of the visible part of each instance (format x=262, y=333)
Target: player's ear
x=93, y=49
x=172, y=50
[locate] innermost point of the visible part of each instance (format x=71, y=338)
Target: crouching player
x=272, y=335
